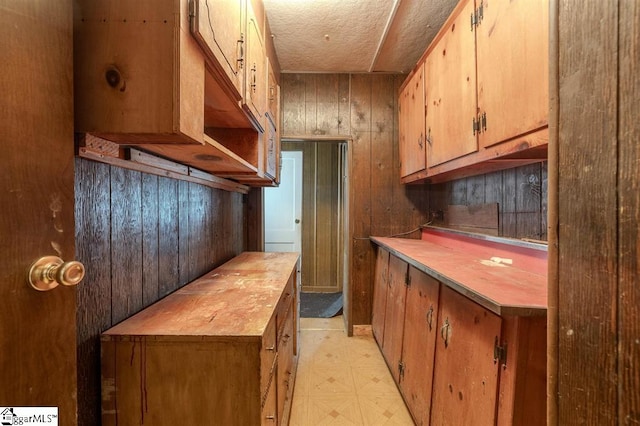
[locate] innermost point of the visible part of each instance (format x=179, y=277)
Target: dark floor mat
x=320, y=305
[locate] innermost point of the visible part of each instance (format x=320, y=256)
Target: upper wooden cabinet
x=255, y=100
x=138, y=75
x=513, y=69
x=486, y=91
x=412, y=124
x=184, y=79
x=219, y=27
x=451, y=91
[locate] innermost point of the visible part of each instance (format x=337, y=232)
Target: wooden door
x=37, y=329
x=465, y=375
x=412, y=125
x=380, y=294
x=513, y=69
x=419, y=343
x=394, y=316
x=255, y=73
x=451, y=101
x=218, y=25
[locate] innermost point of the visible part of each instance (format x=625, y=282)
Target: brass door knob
x=48, y=272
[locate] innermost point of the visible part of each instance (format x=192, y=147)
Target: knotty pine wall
x=140, y=238
x=362, y=108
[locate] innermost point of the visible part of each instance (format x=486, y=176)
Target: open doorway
x=323, y=222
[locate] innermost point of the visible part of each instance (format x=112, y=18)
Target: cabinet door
x=451, y=100
x=285, y=365
x=465, y=373
x=513, y=74
x=394, y=316
x=255, y=73
x=412, y=125
x=380, y=294
x=419, y=343
x=218, y=26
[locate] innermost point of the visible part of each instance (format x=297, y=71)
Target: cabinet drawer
x=270, y=408
x=285, y=363
x=285, y=305
x=267, y=356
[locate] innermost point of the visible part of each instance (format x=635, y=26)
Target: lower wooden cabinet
x=419, y=343
x=456, y=362
x=394, y=316
x=380, y=294
x=465, y=379
x=220, y=351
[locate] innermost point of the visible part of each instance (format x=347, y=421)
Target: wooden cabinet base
x=220, y=351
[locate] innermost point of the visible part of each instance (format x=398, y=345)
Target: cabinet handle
x=420, y=141
x=240, y=59
x=429, y=140
x=430, y=317
x=253, y=78
x=270, y=348
x=270, y=418
x=445, y=332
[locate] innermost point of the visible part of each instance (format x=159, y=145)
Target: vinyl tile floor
x=343, y=380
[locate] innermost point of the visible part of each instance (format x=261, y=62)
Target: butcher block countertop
x=507, y=280
x=235, y=299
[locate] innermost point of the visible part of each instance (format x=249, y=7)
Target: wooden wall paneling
x=326, y=216
x=169, y=256
x=183, y=233
x=528, y=195
x=508, y=219
x=310, y=104
x=384, y=180
x=198, y=229
x=553, y=223
x=629, y=216
x=150, y=239
x=126, y=243
x=493, y=194
x=254, y=232
x=217, y=234
x=360, y=202
x=544, y=199
x=344, y=104
x=293, y=102
x=328, y=102
x=308, y=215
x=458, y=192
x=588, y=266
x=475, y=190
x=93, y=250
x=239, y=223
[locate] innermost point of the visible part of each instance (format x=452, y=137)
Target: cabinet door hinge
x=400, y=370
x=500, y=353
x=477, y=15
x=479, y=125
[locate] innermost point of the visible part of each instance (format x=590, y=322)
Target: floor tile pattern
x=343, y=380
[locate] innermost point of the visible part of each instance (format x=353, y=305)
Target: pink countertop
x=506, y=279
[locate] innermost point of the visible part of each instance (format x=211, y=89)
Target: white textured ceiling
x=353, y=35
